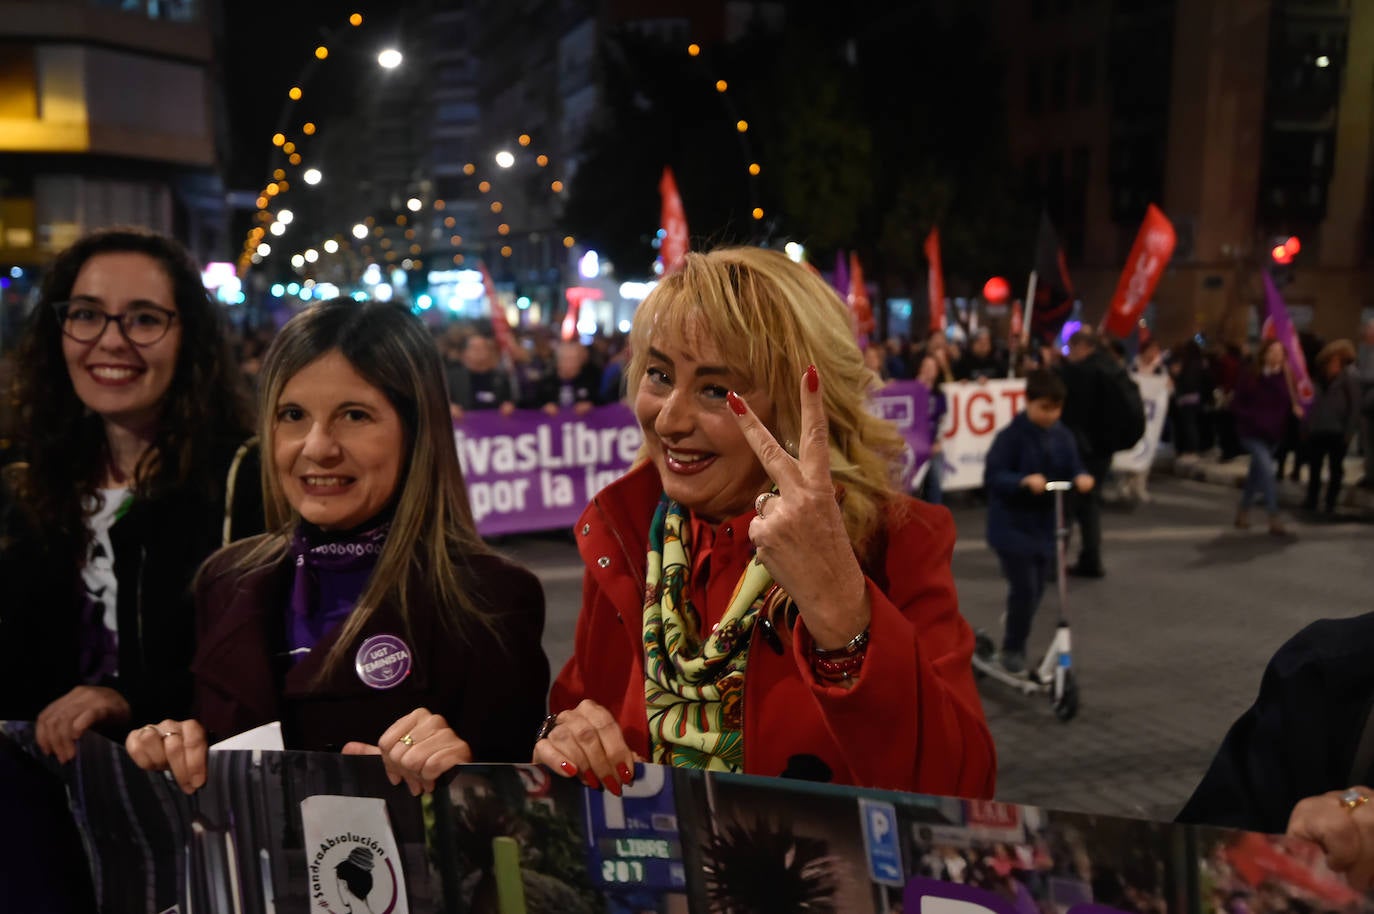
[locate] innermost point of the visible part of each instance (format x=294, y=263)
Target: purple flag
x=842, y=275
x=1281, y=326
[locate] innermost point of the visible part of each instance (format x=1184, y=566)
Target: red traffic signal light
x=1292, y=245
x=1281, y=254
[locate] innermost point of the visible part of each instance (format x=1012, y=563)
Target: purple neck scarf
x=332, y=570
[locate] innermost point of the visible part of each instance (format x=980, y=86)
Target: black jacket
x=1300, y=736
x=1085, y=404
x=490, y=687
x=158, y=546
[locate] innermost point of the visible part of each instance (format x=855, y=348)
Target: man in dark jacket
x=1085, y=374
x=1032, y=451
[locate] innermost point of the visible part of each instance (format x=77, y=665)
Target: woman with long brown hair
x=371, y=618
x=131, y=441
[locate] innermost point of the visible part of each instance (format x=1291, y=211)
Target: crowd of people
x=183, y=567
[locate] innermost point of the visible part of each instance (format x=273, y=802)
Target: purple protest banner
x=531, y=471
x=906, y=404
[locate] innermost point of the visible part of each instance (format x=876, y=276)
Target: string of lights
x=272, y=217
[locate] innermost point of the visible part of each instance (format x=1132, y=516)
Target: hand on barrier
x=417, y=749
x=586, y=742
x=1341, y=822
x=1036, y=482
x=177, y=746
x=1083, y=482
x=61, y=723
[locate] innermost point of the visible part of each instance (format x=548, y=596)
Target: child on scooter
x=1026, y=455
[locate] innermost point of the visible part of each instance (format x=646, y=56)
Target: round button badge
x=383, y=662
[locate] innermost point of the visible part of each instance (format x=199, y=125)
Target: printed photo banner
x=531, y=471
x=298, y=832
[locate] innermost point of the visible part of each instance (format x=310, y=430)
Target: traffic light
x=1281, y=255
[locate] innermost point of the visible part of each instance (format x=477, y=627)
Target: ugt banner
x=1153, y=247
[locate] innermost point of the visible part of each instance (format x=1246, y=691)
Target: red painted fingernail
x=813, y=379
x=590, y=780
x=568, y=768
x=626, y=773
x=736, y=404
x=613, y=786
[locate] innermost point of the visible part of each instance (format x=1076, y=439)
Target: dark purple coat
x=490, y=688
x=1261, y=405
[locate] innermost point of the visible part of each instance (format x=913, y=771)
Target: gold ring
x=763, y=500
x=407, y=740
x=1352, y=799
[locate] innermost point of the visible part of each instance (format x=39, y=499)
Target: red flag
x=500, y=327
x=936, y=281
x=674, y=223
x=1016, y=322
x=1154, y=245
x=859, y=304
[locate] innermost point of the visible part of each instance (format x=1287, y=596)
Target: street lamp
x=389, y=59
x=285, y=216
x=312, y=176
x=359, y=231
x=414, y=204
x=505, y=159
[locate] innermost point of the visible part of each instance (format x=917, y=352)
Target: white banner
x=973, y=415
x=1154, y=390
x=977, y=412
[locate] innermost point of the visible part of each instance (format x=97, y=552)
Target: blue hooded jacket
x=1020, y=522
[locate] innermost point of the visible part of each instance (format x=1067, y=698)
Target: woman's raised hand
x=177, y=746
x=417, y=749
x=800, y=535
x=586, y=743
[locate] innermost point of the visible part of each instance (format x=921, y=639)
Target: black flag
x=1053, y=287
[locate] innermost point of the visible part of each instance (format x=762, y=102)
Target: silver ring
x=763, y=500
x=1352, y=800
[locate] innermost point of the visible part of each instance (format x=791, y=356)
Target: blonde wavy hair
x=432, y=533
x=768, y=319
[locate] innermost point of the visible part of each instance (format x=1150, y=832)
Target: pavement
x=1209, y=468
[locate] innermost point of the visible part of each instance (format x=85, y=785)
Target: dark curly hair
x=64, y=443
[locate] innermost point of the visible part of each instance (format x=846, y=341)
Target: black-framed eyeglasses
x=142, y=325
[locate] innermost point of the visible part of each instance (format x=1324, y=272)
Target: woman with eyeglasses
x=131, y=465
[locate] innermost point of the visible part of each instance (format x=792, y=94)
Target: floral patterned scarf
x=694, y=688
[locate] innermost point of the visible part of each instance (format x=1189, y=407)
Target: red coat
x=914, y=720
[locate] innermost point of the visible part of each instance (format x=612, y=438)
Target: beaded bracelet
x=842, y=664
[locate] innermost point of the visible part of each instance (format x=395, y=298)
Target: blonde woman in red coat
x=759, y=595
